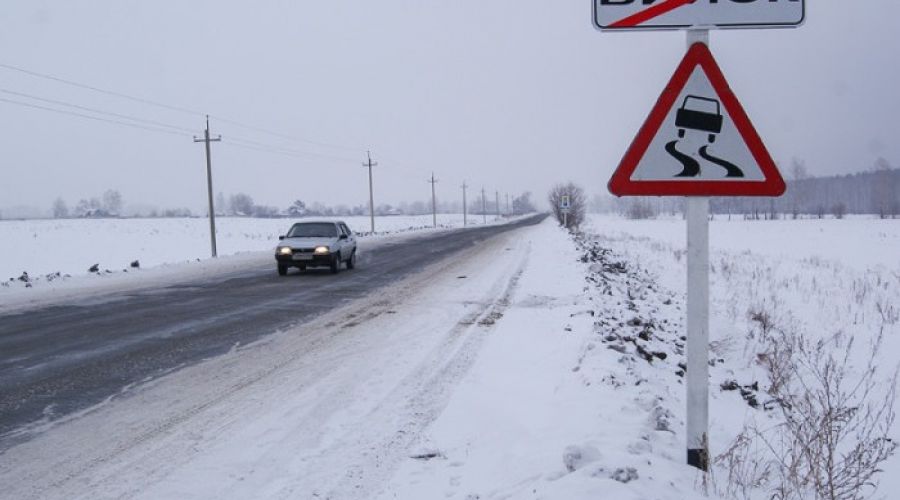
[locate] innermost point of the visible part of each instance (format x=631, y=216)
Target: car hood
x=307, y=242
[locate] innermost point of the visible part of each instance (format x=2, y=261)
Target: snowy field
x=551, y=373
x=777, y=287
x=72, y=246
x=48, y=250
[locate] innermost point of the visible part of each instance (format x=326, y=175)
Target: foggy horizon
x=514, y=97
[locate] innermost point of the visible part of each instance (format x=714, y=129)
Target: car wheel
x=681, y=133
x=712, y=138
x=282, y=270
x=351, y=263
x=336, y=264
x=301, y=268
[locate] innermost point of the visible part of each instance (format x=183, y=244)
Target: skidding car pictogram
x=694, y=117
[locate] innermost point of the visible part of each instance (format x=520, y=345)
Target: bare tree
x=522, y=204
x=297, y=209
x=112, y=202
x=839, y=209
x=883, y=189
x=577, y=204
x=241, y=204
x=799, y=193
x=60, y=209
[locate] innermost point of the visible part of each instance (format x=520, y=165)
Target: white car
x=316, y=244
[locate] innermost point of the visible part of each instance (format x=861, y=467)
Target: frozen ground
x=72, y=246
x=56, y=254
x=539, y=367
x=823, y=279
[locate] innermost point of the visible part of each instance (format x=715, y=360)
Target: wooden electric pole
x=465, y=208
x=369, y=163
x=433, y=181
x=212, y=211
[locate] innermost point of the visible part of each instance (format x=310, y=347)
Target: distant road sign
x=697, y=141
x=617, y=15
x=564, y=202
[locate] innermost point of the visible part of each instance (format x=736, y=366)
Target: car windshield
x=313, y=230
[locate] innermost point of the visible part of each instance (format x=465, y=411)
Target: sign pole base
x=697, y=376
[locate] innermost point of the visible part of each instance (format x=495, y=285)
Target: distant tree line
x=242, y=205
x=876, y=191
x=109, y=204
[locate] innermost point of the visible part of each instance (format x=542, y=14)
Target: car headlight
x=285, y=250
x=322, y=250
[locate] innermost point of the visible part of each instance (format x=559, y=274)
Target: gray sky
x=512, y=95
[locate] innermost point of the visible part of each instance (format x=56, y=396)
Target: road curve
x=58, y=360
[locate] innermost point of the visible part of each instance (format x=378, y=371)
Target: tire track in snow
x=127, y=464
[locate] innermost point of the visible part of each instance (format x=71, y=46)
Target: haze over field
x=511, y=95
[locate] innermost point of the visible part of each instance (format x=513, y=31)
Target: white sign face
x=707, y=14
x=564, y=202
x=698, y=141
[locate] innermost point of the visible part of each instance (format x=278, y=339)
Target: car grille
x=303, y=250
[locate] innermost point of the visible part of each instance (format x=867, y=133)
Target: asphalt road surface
x=60, y=359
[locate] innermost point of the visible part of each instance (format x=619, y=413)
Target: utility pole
x=497, y=201
x=212, y=211
x=507, y=204
x=465, y=209
x=483, y=206
x=369, y=163
x=433, y=181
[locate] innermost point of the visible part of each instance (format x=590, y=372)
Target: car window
x=346, y=229
x=313, y=230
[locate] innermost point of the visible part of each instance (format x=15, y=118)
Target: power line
x=284, y=136
x=155, y=125
x=94, y=110
x=171, y=107
x=100, y=90
x=261, y=146
x=89, y=117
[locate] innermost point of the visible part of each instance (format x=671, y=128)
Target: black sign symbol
x=695, y=118
x=696, y=113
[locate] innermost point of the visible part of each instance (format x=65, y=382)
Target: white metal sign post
x=564, y=206
x=697, y=142
x=697, y=373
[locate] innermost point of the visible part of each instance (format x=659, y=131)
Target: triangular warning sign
x=697, y=141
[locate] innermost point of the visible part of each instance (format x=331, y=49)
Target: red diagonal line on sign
x=649, y=13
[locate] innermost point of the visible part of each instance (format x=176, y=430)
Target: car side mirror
x=342, y=237
x=280, y=237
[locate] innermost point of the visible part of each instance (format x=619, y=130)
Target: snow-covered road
x=328, y=409
x=535, y=366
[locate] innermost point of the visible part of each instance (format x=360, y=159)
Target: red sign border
x=698, y=55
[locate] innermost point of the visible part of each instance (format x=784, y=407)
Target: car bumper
x=306, y=260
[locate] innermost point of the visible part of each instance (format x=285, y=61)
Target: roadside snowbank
x=56, y=254
x=554, y=410
x=72, y=246
x=831, y=281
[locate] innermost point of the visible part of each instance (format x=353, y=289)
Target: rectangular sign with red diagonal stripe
x=616, y=15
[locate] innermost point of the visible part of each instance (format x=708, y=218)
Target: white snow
x=71, y=246
x=513, y=373
x=57, y=254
